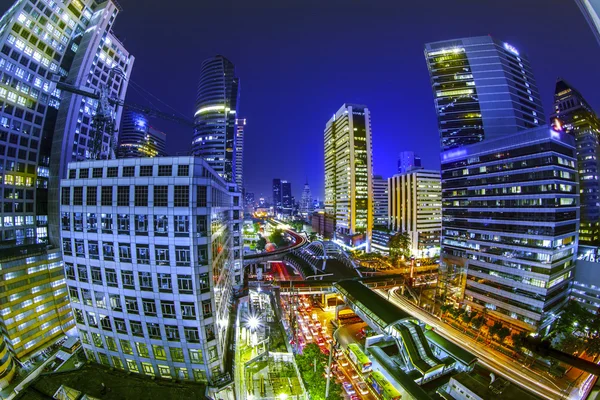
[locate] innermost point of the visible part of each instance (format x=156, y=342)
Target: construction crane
x=103, y=120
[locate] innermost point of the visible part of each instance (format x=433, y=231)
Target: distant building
x=471, y=386
x=380, y=239
x=380, y=201
x=349, y=173
x=287, y=200
x=306, y=201
x=240, y=127
x=323, y=224
x=249, y=199
x=138, y=139
x=407, y=161
x=591, y=12
x=277, y=199
x=416, y=208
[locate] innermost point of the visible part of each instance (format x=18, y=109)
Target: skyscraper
x=380, y=201
x=577, y=119
x=407, y=161
x=240, y=126
x=287, y=201
x=277, y=195
x=591, y=12
x=216, y=108
x=138, y=139
x=73, y=40
x=483, y=89
x=306, y=201
x=348, y=173
x=149, y=276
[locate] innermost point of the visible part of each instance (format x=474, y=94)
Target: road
x=494, y=361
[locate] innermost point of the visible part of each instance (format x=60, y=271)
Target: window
x=159, y=352
x=131, y=305
x=111, y=344
x=168, y=309
x=148, y=369
x=106, y=222
x=112, y=172
x=143, y=254
x=145, y=281
x=78, y=316
x=97, y=173
x=209, y=330
x=78, y=221
x=172, y=332
x=181, y=224
x=136, y=328
x=84, y=173
x=202, y=197
x=212, y=353
x=82, y=275
x=91, y=222
x=191, y=334
x=96, y=275
x=128, y=172
x=164, y=283
x=69, y=271
x=127, y=279
x=116, y=360
x=108, y=251
x=149, y=307
x=123, y=224
x=78, y=196
x=204, y=283
x=199, y=375
x=184, y=282
x=161, y=225
x=146, y=170
x=202, y=225
x=142, y=349
x=183, y=170
x=131, y=364
x=182, y=256
x=126, y=347
x=121, y=327
x=66, y=221
x=206, y=308
x=105, y=322
x=65, y=195
x=161, y=196
x=196, y=356
x=79, y=248
x=91, y=195
x=93, y=250
x=188, y=310
x=123, y=195
x=74, y=294
x=162, y=255
x=124, y=252
x=141, y=225
x=92, y=321
x=176, y=354
x=72, y=172
x=115, y=301
x=164, y=370
x=86, y=294
x=153, y=330
x=165, y=170
x=106, y=196
x=111, y=277
x=141, y=196
x=181, y=196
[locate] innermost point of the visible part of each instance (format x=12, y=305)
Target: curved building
x=138, y=139
x=216, y=107
x=7, y=365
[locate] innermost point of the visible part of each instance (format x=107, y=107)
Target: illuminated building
x=591, y=12
x=380, y=201
x=306, y=201
x=407, y=161
x=215, y=116
x=483, y=89
x=287, y=200
x=510, y=220
x=40, y=39
x=576, y=118
x=7, y=364
x=415, y=204
x=240, y=126
x=276, y=195
x=152, y=248
x=348, y=173
x=138, y=139
x=323, y=224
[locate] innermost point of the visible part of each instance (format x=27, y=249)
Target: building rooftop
x=450, y=348
x=119, y=385
x=499, y=390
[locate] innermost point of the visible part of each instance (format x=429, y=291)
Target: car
x=355, y=397
x=339, y=374
x=354, y=375
x=320, y=341
x=308, y=337
x=325, y=350
x=343, y=361
x=314, y=332
x=315, y=317
x=348, y=388
x=362, y=388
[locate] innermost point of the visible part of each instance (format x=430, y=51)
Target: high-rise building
x=7, y=365
x=216, y=108
x=407, y=161
x=591, y=12
x=277, y=200
x=511, y=219
x=240, y=127
x=415, y=204
x=41, y=39
x=576, y=118
x=483, y=88
x=349, y=172
x=380, y=201
x=287, y=200
x=151, y=247
x=137, y=138
x=306, y=201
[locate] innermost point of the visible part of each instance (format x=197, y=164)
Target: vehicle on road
x=362, y=387
x=360, y=360
x=348, y=388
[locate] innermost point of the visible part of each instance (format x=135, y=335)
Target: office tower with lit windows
x=380, y=201
x=591, y=12
x=287, y=200
x=306, y=201
x=348, y=174
x=407, y=161
x=217, y=101
x=138, y=139
x=40, y=40
x=415, y=204
x=574, y=115
x=483, y=89
x=277, y=195
x=511, y=221
x=240, y=127
x=151, y=247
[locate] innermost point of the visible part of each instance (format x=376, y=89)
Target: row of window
x=128, y=171
x=180, y=196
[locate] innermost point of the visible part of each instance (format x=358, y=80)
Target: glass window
x=176, y=354
x=131, y=305
x=110, y=343
x=141, y=225
x=96, y=275
x=106, y=197
x=128, y=171
x=182, y=256
x=159, y=352
x=105, y=322
x=162, y=255
x=161, y=196
x=78, y=196
x=184, y=283
x=206, y=308
x=97, y=173
x=172, y=332
x=123, y=195
x=146, y=170
x=188, y=310
x=66, y=221
x=117, y=362
x=124, y=252
x=164, y=283
x=108, y=251
x=106, y=222
x=91, y=222
x=78, y=221
x=142, y=349
x=161, y=225
x=136, y=328
x=82, y=273
x=183, y=170
x=84, y=173
x=209, y=329
x=165, y=170
x=147, y=368
x=143, y=254
x=65, y=195
x=127, y=279
x=132, y=366
x=126, y=346
x=141, y=196
x=168, y=308
x=120, y=325
x=191, y=334
x=181, y=224
x=181, y=196
x=164, y=370
x=202, y=196
x=149, y=307
x=199, y=375
x=112, y=172
x=115, y=300
x=111, y=277
x=153, y=330
x=91, y=195
x=145, y=281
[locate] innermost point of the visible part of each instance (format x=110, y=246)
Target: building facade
x=511, y=221
x=240, y=127
x=7, y=365
x=306, y=201
x=349, y=173
x=380, y=201
x=277, y=200
x=323, y=224
x=138, y=139
x=216, y=108
x=287, y=200
x=407, y=161
x=483, y=89
x=39, y=40
x=591, y=12
x=415, y=204
x=151, y=249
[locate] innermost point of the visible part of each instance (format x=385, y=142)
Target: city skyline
x=289, y=68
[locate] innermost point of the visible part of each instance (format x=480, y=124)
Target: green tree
x=570, y=344
x=256, y=226
x=494, y=329
x=312, y=236
x=503, y=333
x=312, y=363
x=277, y=238
x=518, y=340
x=261, y=243
x=399, y=245
x=478, y=322
x=468, y=317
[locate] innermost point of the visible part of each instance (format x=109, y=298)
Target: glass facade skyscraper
x=380, y=201
x=591, y=12
x=138, y=139
x=215, y=116
x=483, y=89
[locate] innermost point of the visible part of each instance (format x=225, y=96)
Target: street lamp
x=253, y=323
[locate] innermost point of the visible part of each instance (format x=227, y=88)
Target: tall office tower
x=591, y=12
x=511, y=219
x=348, y=173
x=287, y=200
x=416, y=208
x=39, y=40
x=240, y=126
x=577, y=118
x=277, y=204
x=306, y=201
x=150, y=250
x=380, y=201
x=216, y=107
x=407, y=161
x=138, y=139
x=483, y=89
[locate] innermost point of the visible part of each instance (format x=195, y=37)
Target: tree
x=399, y=245
x=261, y=243
x=478, y=322
x=570, y=344
x=312, y=363
x=518, y=340
x=313, y=236
x=494, y=329
x=468, y=317
x=277, y=238
x=503, y=333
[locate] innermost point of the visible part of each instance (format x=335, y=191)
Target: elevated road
x=278, y=254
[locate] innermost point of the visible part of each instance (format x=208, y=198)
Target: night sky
x=299, y=61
